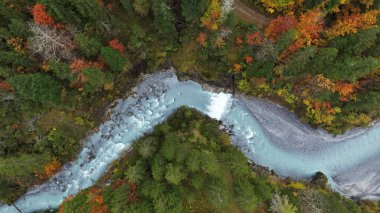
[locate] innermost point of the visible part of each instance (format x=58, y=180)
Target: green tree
x=21, y=169
x=158, y=167
x=193, y=10
x=95, y=79
x=282, y=205
x=114, y=59
x=324, y=59
x=147, y=147
x=6, y=72
x=169, y=146
x=164, y=20
x=37, y=87
x=246, y=197
x=61, y=70
x=285, y=40
x=90, y=46
x=60, y=144
x=216, y=192
x=236, y=161
x=136, y=173
x=18, y=28
x=170, y=203
x=209, y=163
x=299, y=60
x=137, y=38
x=14, y=59
x=174, y=174
x=350, y=68
x=194, y=160
x=142, y=7
x=358, y=43
x=89, y=9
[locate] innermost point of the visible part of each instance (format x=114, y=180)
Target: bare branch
x=51, y=43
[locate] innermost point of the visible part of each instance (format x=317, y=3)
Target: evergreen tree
x=90, y=46
x=37, y=87
x=147, y=147
x=174, y=174
x=193, y=10
x=164, y=20
x=142, y=7
x=136, y=173
x=114, y=59
x=95, y=79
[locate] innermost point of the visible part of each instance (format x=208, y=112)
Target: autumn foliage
x=202, y=38
x=345, y=90
x=117, y=45
x=298, y=44
x=321, y=112
x=353, y=23
x=52, y=168
x=211, y=19
x=77, y=67
x=248, y=59
x=310, y=25
x=280, y=25
x=41, y=17
x=237, y=67
x=96, y=201
x=5, y=86
x=238, y=41
x=308, y=28
x=254, y=38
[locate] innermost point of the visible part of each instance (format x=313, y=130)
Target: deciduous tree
x=211, y=18
x=280, y=25
x=353, y=23
x=51, y=43
x=42, y=18
x=117, y=45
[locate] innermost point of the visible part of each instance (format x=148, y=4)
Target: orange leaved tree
x=279, y=25
x=41, y=17
x=353, y=23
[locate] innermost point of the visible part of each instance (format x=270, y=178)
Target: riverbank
x=285, y=131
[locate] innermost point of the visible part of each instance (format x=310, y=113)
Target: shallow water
x=160, y=95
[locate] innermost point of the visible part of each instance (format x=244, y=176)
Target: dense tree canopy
x=63, y=62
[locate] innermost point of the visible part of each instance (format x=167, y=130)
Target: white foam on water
x=219, y=105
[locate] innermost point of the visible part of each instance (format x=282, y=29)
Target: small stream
x=350, y=164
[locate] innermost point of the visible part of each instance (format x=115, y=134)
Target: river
x=267, y=134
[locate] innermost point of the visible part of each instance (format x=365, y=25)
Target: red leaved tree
x=254, y=38
x=248, y=59
x=202, y=38
x=308, y=28
x=280, y=25
x=41, y=17
x=117, y=45
x=77, y=67
x=5, y=86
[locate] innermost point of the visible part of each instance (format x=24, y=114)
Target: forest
x=63, y=62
